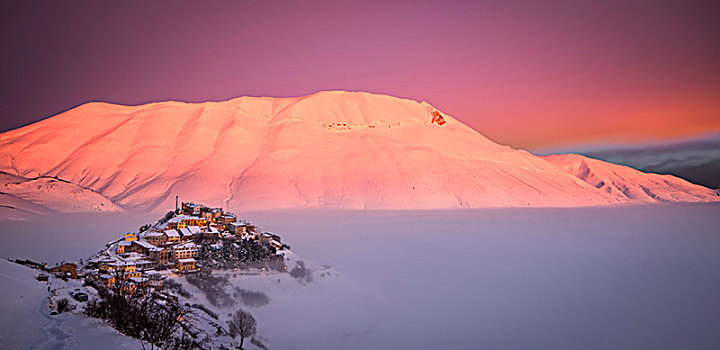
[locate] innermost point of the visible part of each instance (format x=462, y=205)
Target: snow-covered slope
x=43, y=195
x=26, y=323
x=626, y=183
x=329, y=149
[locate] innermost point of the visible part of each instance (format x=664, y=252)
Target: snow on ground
x=593, y=278
x=25, y=320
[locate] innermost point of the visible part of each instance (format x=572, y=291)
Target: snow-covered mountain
x=628, y=184
x=329, y=149
x=696, y=159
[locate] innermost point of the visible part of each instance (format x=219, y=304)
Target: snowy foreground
x=593, y=278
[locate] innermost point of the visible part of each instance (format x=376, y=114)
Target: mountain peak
x=328, y=149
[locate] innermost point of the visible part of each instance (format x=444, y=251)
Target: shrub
x=177, y=288
x=213, y=287
x=64, y=305
x=251, y=298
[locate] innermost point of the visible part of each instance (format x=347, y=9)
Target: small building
x=181, y=221
x=213, y=214
x=223, y=220
x=264, y=237
x=277, y=245
x=128, y=268
x=188, y=208
x=173, y=236
x=107, y=279
x=158, y=285
x=156, y=238
x=237, y=228
x=210, y=233
x=200, y=210
x=185, y=250
x=160, y=256
x=155, y=279
x=130, y=237
x=66, y=269
x=145, y=263
x=185, y=233
x=184, y=265
x=122, y=246
x=142, y=247
x=140, y=282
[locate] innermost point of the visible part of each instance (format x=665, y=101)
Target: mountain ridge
x=328, y=149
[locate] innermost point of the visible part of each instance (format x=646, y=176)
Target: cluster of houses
x=132, y=262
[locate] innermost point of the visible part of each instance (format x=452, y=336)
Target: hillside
x=626, y=183
x=45, y=195
x=329, y=149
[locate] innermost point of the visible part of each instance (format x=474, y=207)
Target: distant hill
x=696, y=160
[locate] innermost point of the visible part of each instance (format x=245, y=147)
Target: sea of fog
x=629, y=277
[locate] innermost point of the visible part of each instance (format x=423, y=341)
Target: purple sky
x=530, y=74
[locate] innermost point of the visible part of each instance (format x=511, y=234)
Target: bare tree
x=159, y=321
x=242, y=324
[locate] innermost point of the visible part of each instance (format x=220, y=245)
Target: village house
x=160, y=256
x=185, y=233
x=66, y=269
x=227, y=218
x=173, y=236
x=224, y=220
x=264, y=237
x=156, y=238
x=129, y=237
x=155, y=280
x=142, y=247
x=185, y=250
x=188, y=208
x=96, y=262
x=207, y=233
x=213, y=214
x=127, y=269
x=122, y=246
x=273, y=239
x=139, y=282
x=237, y=228
x=184, y=265
x=145, y=264
x=181, y=221
x=200, y=211
x=107, y=279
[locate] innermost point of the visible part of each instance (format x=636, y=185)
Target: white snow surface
x=626, y=183
x=629, y=277
x=26, y=323
x=45, y=195
x=329, y=149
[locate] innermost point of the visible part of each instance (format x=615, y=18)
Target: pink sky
x=529, y=74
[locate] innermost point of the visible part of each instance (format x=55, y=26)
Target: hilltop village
x=185, y=240
x=164, y=275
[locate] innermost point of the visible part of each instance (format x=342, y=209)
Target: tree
x=242, y=324
x=158, y=322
